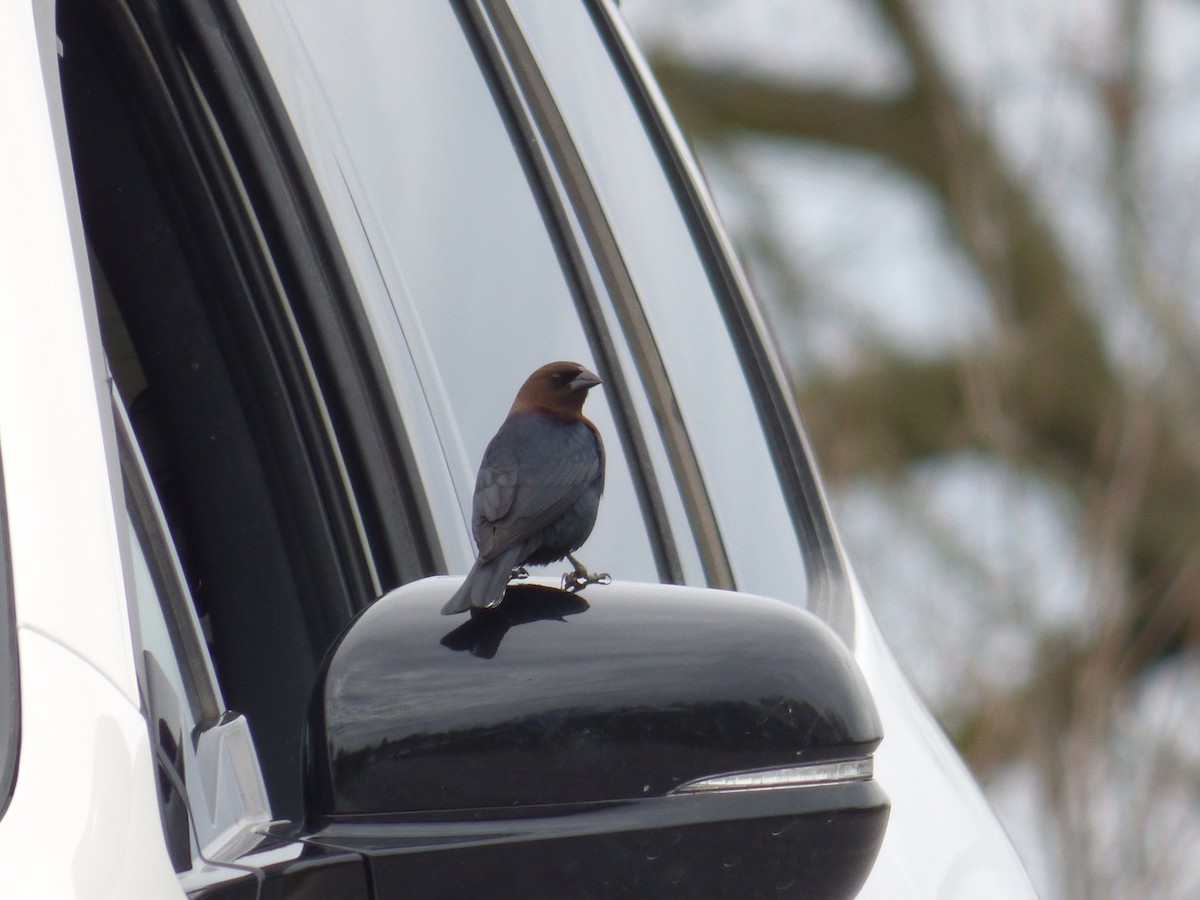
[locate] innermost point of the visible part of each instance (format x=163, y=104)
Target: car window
x=453, y=254
x=173, y=703
x=660, y=252
x=10, y=697
x=167, y=622
x=211, y=793
x=210, y=357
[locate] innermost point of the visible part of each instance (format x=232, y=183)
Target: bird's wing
x=534, y=469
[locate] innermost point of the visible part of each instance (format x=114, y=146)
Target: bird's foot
x=579, y=577
x=520, y=573
x=577, y=581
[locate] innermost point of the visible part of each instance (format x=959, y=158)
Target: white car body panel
x=67, y=570
x=943, y=841
x=83, y=820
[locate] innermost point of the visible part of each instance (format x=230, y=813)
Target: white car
x=270, y=274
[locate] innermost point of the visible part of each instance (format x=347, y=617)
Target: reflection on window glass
x=174, y=718
x=674, y=288
x=156, y=637
x=399, y=116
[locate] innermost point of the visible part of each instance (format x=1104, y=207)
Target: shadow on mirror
x=481, y=634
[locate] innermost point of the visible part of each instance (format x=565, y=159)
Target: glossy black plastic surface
x=815, y=843
x=620, y=692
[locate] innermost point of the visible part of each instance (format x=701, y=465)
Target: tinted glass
x=675, y=290
x=180, y=683
x=162, y=637
x=446, y=238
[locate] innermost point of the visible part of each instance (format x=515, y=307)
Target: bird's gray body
x=536, y=498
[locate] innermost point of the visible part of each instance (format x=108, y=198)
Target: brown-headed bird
x=538, y=487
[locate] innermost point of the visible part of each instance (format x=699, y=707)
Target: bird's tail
x=485, y=583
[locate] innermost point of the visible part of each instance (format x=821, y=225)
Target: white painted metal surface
x=943, y=841
x=84, y=819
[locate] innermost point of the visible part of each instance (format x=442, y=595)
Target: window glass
x=179, y=683
x=446, y=237
x=161, y=636
x=674, y=287
x=173, y=699
x=208, y=749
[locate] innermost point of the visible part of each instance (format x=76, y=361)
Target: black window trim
x=280, y=445
x=324, y=303
x=207, y=197
x=566, y=185
x=146, y=516
x=777, y=408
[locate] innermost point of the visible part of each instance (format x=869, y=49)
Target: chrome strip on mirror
x=862, y=769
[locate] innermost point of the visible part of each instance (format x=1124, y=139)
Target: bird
x=538, y=488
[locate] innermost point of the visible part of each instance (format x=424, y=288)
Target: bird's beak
x=585, y=380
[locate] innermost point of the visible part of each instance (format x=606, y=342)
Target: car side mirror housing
x=641, y=739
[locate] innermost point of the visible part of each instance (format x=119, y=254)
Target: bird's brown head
x=558, y=388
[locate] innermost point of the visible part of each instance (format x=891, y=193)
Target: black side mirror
x=640, y=740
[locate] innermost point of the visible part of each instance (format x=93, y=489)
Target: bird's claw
x=578, y=579
x=520, y=573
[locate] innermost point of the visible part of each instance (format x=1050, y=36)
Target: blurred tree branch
x=1045, y=394
x=1041, y=394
